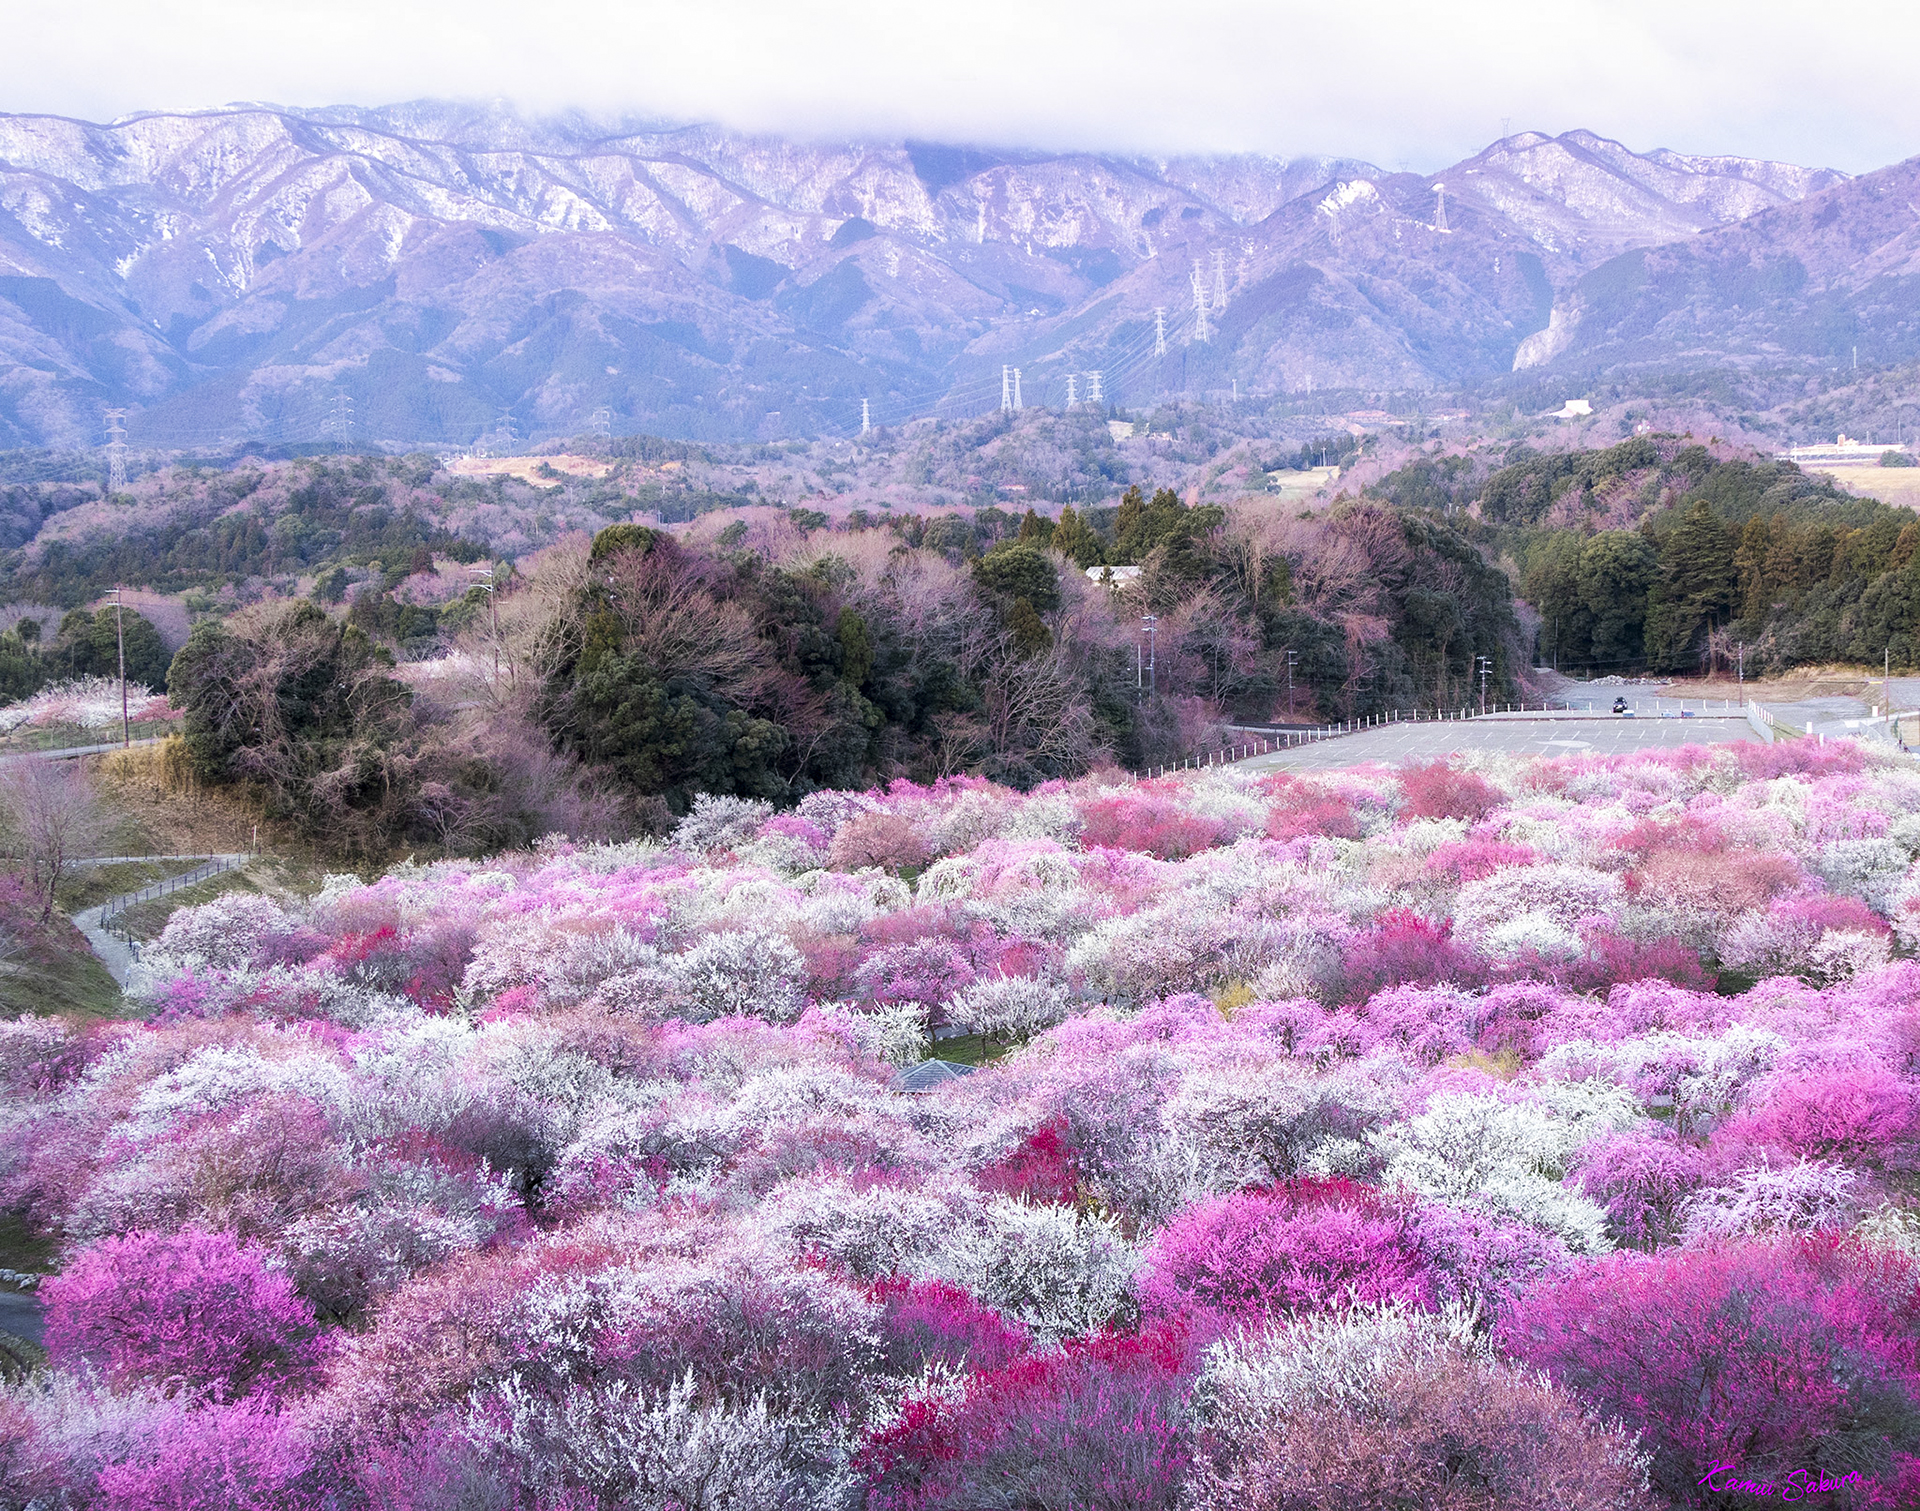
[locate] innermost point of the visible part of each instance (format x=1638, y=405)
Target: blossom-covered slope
x=1537, y=1135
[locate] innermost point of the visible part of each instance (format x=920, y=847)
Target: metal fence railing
x=114, y=907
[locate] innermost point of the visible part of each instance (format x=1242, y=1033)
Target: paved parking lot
x=1520, y=734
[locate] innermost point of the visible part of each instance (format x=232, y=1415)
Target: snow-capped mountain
x=430, y=272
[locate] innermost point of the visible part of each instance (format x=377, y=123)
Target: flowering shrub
x=586, y=1176
x=196, y=1312
x=1097, y=1425
x=1317, y=1246
x=885, y=840
x=1378, y=1410
x=243, y=1457
x=1443, y=791
x=1774, y=1357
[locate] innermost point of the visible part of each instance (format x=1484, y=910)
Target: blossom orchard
x=1539, y=1133
x=84, y=703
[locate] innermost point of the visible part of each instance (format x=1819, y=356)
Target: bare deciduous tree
x=50, y=816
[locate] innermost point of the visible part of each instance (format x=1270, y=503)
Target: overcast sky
x=1414, y=84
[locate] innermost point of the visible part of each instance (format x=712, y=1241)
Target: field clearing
x=1891, y=485
x=528, y=469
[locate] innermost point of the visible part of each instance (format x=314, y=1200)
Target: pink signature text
x=1788, y=1487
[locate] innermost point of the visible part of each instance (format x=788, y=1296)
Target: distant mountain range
x=431, y=272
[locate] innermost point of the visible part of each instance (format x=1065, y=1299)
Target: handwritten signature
x=1790, y=1487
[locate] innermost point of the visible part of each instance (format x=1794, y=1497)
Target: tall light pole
x=1486, y=670
x=120, y=639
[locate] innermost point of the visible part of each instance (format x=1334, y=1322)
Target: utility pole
x=1486, y=670
x=1006, y=386
x=1292, y=657
x=1743, y=668
x=1145, y=663
x=120, y=639
x=484, y=577
x=116, y=451
x=1159, y=331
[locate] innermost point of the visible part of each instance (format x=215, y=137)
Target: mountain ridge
x=436, y=268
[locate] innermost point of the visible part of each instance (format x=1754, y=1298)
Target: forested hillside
x=769, y=661
x=1657, y=554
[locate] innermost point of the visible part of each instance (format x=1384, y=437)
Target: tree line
x=1659, y=555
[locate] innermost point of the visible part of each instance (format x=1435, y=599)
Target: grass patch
x=968, y=1049
x=58, y=975
x=24, y=1248
x=88, y=886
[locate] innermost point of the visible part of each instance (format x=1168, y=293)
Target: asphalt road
x=20, y=1315
x=1518, y=734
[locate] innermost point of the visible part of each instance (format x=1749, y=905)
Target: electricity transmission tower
x=116, y=451
x=1440, y=208
x=866, y=418
x=1016, y=390
x=1073, y=389
x=1201, y=331
x=1159, y=331
x=501, y=441
x=602, y=421
x=1219, y=279
x=339, y=419
x=1093, y=387
x=1006, y=386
